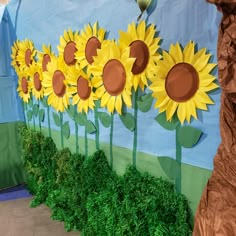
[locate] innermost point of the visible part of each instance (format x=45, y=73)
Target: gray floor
x=18, y=219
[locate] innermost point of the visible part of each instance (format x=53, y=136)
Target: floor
x=18, y=219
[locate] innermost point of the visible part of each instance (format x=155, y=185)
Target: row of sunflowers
x=90, y=67
x=91, y=72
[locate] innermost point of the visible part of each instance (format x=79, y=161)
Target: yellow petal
x=105, y=98
x=171, y=109
x=111, y=104
x=118, y=104
x=141, y=30
x=181, y=112
x=176, y=53
x=189, y=52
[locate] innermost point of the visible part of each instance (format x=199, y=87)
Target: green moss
x=88, y=196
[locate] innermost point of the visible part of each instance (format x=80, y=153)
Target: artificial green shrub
x=88, y=196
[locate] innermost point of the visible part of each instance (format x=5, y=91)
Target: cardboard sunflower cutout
x=143, y=44
x=81, y=90
x=112, y=76
x=14, y=52
x=26, y=54
x=23, y=88
x=35, y=76
x=45, y=56
x=90, y=40
x=67, y=47
x=55, y=84
x=183, y=80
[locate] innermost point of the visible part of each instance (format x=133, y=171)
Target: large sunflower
x=183, y=80
x=67, y=47
x=14, y=52
x=45, y=56
x=143, y=44
x=90, y=40
x=26, y=54
x=81, y=90
x=23, y=88
x=55, y=84
x=35, y=75
x=112, y=76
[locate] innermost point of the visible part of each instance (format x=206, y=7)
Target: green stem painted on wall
x=76, y=134
x=25, y=113
x=34, y=122
x=111, y=140
x=49, y=123
x=134, y=155
x=85, y=142
x=178, y=160
x=39, y=116
x=97, y=126
x=62, y=139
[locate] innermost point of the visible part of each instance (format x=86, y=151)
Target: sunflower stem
x=62, y=140
x=49, y=124
x=85, y=142
x=34, y=122
x=178, y=160
x=25, y=113
x=76, y=134
x=39, y=117
x=135, y=128
x=97, y=126
x=111, y=140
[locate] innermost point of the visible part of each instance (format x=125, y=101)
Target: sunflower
x=45, y=56
x=143, y=45
x=90, y=40
x=67, y=47
x=23, y=88
x=14, y=52
x=55, y=84
x=81, y=90
x=112, y=76
x=35, y=76
x=183, y=80
x=26, y=54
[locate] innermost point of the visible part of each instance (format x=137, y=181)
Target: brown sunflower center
x=83, y=88
x=46, y=59
x=139, y=50
x=182, y=82
x=28, y=60
x=91, y=49
x=58, y=85
x=69, y=53
x=114, y=77
x=37, y=81
x=24, y=85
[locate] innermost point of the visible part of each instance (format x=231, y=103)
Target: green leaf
x=105, y=119
x=188, y=136
x=41, y=115
x=145, y=102
x=169, y=125
x=71, y=112
x=90, y=127
x=170, y=166
x=66, y=129
x=44, y=102
x=29, y=115
x=128, y=121
x=56, y=119
x=35, y=110
x=81, y=119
